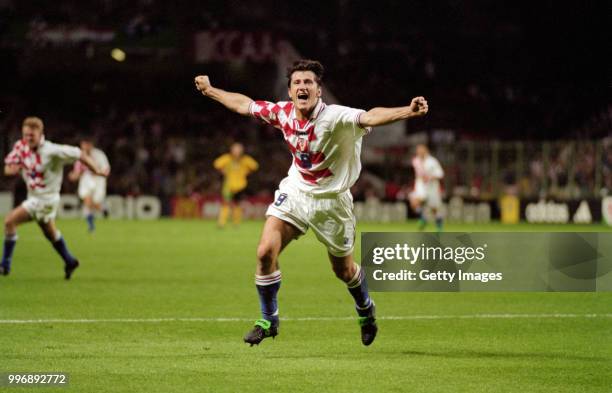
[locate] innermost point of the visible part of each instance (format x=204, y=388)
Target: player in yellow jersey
x=235, y=166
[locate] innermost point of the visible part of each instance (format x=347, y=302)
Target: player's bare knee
x=266, y=254
x=343, y=272
x=10, y=225
x=50, y=236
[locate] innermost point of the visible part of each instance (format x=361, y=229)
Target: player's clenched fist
x=418, y=106
x=202, y=83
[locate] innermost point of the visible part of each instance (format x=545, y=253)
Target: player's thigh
x=415, y=202
x=88, y=201
x=48, y=228
x=276, y=235
x=17, y=216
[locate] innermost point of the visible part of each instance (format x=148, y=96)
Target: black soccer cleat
x=4, y=271
x=368, y=326
x=70, y=268
x=263, y=329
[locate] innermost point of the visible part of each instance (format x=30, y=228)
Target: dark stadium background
x=519, y=91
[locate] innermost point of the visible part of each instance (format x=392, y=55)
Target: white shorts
x=428, y=194
x=42, y=209
x=330, y=217
x=93, y=187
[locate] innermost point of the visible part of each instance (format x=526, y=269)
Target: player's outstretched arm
x=381, y=116
x=235, y=102
x=11, y=169
x=89, y=163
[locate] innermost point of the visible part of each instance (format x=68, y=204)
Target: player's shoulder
x=49, y=146
x=335, y=111
x=340, y=108
x=334, y=108
x=57, y=146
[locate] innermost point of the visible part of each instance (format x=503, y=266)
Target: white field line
x=302, y=319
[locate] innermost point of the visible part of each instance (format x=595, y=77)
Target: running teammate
x=41, y=164
x=428, y=173
x=92, y=188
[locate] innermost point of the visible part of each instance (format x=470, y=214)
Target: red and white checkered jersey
x=326, y=148
x=43, y=169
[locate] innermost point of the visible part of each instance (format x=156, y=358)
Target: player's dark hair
x=306, y=65
x=86, y=138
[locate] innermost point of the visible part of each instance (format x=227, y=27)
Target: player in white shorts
x=41, y=164
x=427, y=172
x=325, y=143
x=92, y=188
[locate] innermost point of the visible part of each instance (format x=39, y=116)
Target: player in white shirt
x=325, y=142
x=92, y=188
x=41, y=164
x=427, y=172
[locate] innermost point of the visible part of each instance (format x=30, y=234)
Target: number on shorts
x=281, y=198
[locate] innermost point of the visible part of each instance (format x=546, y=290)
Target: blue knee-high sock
x=60, y=246
x=91, y=226
x=267, y=288
x=358, y=287
x=7, y=254
x=439, y=222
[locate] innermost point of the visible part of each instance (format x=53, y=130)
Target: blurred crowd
x=491, y=72
x=171, y=154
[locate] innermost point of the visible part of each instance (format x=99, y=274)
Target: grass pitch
x=162, y=307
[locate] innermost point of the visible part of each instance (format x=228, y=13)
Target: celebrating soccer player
x=235, y=166
x=92, y=188
x=325, y=142
x=41, y=164
x=428, y=174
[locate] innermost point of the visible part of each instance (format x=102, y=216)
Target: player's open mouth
x=302, y=96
